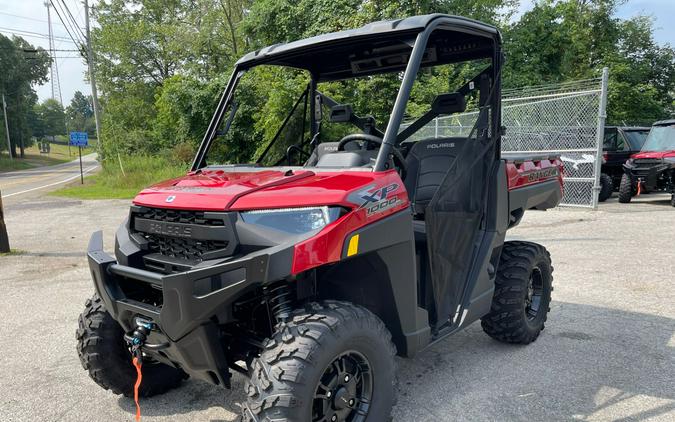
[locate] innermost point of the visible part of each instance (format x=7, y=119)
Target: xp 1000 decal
x=376, y=199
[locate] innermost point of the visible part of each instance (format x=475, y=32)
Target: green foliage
x=53, y=117
x=126, y=180
x=184, y=109
x=565, y=40
x=21, y=67
x=7, y=164
x=80, y=115
x=162, y=66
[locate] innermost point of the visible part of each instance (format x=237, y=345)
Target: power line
x=22, y=33
x=71, y=26
x=26, y=17
x=73, y=21
x=35, y=50
x=78, y=41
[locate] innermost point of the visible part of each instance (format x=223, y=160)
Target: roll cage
x=404, y=45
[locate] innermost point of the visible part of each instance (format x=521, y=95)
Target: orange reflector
x=353, y=248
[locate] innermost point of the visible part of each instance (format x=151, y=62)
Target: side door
x=613, y=146
x=623, y=150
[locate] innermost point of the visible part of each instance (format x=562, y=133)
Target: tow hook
x=639, y=186
x=136, y=340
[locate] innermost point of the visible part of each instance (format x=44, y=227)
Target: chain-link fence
x=565, y=119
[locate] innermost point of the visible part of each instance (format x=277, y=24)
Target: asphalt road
x=41, y=179
x=607, y=354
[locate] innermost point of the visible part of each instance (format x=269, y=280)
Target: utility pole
x=4, y=111
x=4, y=239
x=92, y=77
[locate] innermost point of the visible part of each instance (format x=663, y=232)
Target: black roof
x=338, y=55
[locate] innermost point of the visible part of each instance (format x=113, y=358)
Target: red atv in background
x=653, y=168
x=344, y=243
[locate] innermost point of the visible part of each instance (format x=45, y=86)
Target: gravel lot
x=608, y=352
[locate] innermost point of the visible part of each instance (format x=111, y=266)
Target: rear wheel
x=626, y=190
x=606, y=187
x=332, y=361
x=104, y=354
x=523, y=287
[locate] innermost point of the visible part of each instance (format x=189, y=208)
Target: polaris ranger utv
x=653, y=168
x=620, y=142
x=310, y=275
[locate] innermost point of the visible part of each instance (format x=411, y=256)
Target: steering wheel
x=399, y=160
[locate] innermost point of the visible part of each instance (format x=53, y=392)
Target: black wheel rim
x=345, y=390
x=535, y=291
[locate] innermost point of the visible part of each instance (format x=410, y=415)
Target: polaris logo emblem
x=177, y=230
x=170, y=198
x=443, y=145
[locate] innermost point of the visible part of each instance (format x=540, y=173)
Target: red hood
x=217, y=190
x=654, y=154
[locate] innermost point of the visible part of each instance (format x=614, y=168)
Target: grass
x=6, y=164
x=12, y=252
x=113, y=183
x=33, y=158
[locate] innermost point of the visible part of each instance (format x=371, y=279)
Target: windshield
x=636, y=138
x=661, y=138
x=332, y=108
x=268, y=120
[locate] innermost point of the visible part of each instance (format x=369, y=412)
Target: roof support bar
x=402, y=98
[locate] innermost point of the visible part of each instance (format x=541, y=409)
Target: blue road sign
x=79, y=139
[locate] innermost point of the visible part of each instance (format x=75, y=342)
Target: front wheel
x=331, y=361
x=606, y=187
x=522, y=297
x=104, y=354
x=626, y=190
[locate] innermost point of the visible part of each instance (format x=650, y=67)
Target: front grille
x=192, y=236
x=647, y=162
x=178, y=216
x=174, y=247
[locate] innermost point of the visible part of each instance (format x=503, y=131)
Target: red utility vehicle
x=356, y=244
x=653, y=168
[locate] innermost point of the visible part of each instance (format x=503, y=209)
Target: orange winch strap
x=137, y=364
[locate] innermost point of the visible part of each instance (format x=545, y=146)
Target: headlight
x=669, y=159
x=293, y=220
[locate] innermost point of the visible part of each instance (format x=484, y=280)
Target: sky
x=31, y=15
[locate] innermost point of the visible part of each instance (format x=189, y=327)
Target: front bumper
x=190, y=301
x=649, y=175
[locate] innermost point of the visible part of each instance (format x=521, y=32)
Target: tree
x=564, y=40
x=142, y=44
x=79, y=114
x=162, y=64
x=53, y=117
x=21, y=67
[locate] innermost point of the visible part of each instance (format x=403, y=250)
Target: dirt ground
x=608, y=351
